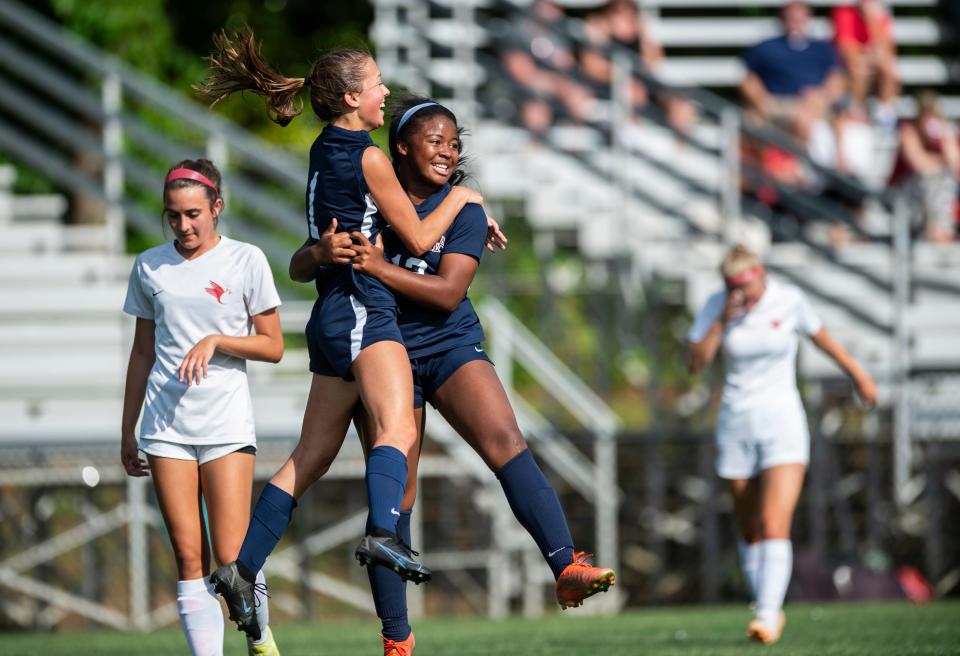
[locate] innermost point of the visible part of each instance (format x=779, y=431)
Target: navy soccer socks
x=386, y=480
x=390, y=590
x=271, y=516
x=536, y=506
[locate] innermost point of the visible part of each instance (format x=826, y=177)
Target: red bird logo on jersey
x=216, y=291
x=775, y=323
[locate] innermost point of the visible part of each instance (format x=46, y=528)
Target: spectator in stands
x=620, y=24
x=863, y=34
x=846, y=145
x=927, y=167
x=617, y=24
x=793, y=78
x=539, y=59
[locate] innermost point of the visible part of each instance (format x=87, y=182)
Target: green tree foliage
x=169, y=39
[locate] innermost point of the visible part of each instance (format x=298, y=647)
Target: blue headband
x=410, y=112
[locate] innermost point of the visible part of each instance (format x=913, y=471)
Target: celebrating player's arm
x=341, y=248
x=443, y=291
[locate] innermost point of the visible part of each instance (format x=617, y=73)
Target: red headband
x=190, y=174
x=743, y=278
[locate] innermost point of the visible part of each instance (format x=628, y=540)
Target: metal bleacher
x=726, y=28
x=669, y=204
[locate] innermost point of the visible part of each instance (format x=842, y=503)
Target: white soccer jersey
x=760, y=347
x=217, y=292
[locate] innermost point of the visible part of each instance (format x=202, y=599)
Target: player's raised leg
x=389, y=588
x=475, y=404
x=384, y=379
x=329, y=409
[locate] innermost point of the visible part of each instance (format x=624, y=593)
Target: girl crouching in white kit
x=763, y=443
x=196, y=300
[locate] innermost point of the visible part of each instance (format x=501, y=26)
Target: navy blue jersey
x=337, y=189
x=427, y=331
x=786, y=69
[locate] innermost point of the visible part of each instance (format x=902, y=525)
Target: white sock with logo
x=262, y=607
x=776, y=567
x=749, y=565
x=200, y=617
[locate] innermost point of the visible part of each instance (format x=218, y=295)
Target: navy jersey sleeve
x=831, y=58
x=468, y=233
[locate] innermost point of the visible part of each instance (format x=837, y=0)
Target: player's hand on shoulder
x=369, y=255
x=469, y=195
x=194, y=366
x=133, y=464
x=495, y=237
x=334, y=247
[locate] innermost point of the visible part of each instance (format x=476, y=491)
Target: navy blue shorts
x=340, y=327
x=431, y=371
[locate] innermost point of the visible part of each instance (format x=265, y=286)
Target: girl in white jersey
x=762, y=436
x=204, y=304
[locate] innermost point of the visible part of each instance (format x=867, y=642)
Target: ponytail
x=237, y=65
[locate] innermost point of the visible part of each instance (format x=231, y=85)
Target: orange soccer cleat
x=402, y=648
x=760, y=631
x=580, y=580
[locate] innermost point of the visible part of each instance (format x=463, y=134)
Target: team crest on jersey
x=216, y=291
x=775, y=323
x=439, y=245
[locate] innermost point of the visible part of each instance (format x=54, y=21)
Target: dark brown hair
x=203, y=166
x=237, y=65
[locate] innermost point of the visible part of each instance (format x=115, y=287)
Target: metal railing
x=50, y=121
x=731, y=199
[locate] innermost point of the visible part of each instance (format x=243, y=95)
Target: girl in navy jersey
x=443, y=336
x=197, y=300
x=352, y=333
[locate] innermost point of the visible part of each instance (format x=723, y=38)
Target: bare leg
x=385, y=381
x=330, y=405
x=227, y=488
x=746, y=507
x=177, y=483
x=780, y=488
x=475, y=404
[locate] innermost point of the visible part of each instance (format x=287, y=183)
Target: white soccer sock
x=776, y=566
x=749, y=565
x=262, y=607
x=200, y=617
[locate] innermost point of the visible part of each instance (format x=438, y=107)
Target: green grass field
x=854, y=630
